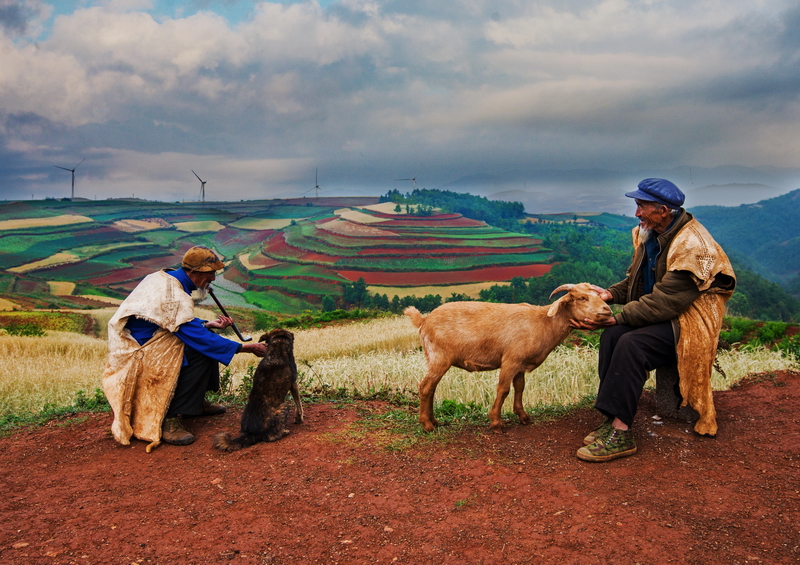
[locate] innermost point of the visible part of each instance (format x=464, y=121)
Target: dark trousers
x=626, y=356
x=199, y=376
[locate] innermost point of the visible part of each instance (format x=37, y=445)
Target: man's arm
x=670, y=297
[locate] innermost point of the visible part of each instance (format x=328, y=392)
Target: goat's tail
x=416, y=317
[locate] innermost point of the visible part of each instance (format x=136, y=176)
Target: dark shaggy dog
x=267, y=411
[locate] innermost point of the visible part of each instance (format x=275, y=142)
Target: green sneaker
x=599, y=431
x=616, y=444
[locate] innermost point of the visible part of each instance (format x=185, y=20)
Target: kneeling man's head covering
x=201, y=259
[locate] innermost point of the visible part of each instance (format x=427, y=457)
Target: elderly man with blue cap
x=673, y=299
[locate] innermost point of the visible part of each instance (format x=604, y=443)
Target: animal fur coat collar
x=139, y=380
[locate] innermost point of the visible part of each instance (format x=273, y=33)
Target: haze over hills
x=603, y=190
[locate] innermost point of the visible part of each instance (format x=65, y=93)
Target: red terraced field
x=403, y=216
x=119, y=276
x=488, y=274
x=278, y=246
x=453, y=250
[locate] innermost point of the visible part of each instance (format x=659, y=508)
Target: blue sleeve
x=195, y=335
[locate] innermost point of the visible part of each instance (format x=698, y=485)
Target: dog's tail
x=224, y=442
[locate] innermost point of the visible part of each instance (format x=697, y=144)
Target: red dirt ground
x=331, y=492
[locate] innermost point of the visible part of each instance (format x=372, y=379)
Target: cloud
x=373, y=90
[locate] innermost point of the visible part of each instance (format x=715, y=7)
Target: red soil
x=452, y=250
x=331, y=492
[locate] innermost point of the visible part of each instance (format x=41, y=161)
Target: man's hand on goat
x=602, y=293
x=220, y=323
x=589, y=324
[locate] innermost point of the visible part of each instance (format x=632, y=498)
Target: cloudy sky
x=255, y=96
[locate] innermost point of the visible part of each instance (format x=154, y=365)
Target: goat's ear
x=558, y=304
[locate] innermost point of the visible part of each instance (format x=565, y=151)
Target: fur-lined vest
x=139, y=380
x=688, y=248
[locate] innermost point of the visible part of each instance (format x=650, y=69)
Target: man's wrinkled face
x=202, y=279
x=652, y=216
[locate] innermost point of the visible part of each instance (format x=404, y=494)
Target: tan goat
x=481, y=336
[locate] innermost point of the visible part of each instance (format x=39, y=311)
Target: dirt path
x=331, y=493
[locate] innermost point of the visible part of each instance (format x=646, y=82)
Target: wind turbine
x=316, y=185
x=413, y=181
x=72, y=170
x=202, y=188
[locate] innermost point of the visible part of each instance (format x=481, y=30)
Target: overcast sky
x=254, y=96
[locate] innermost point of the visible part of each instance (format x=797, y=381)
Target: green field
x=111, y=260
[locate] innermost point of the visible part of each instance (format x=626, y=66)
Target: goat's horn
x=563, y=287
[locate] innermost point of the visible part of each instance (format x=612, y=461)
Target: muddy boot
x=172, y=431
x=210, y=409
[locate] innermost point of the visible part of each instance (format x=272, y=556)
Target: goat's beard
x=200, y=294
x=644, y=233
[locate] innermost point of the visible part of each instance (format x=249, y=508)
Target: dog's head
x=277, y=335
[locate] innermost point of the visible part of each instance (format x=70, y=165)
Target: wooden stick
x=225, y=313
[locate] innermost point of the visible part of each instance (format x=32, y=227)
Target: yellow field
x=262, y=223
x=61, y=288
x=133, y=226
x=472, y=290
x=7, y=304
x=361, y=357
x=53, y=260
x=210, y=225
x=64, y=220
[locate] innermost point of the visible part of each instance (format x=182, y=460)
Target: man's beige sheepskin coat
x=139, y=381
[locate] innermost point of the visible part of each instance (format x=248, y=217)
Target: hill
x=766, y=233
x=288, y=256
x=283, y=255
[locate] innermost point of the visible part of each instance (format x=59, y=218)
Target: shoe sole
x=602, y=458
x=187, y=441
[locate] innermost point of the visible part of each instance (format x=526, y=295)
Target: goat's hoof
x=525, y=420
x=428, y=426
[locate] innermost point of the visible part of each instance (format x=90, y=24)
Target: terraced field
x=283, y=255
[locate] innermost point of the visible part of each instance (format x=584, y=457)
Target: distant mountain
x=766, y=232
x=601, y=190
x=732, y=194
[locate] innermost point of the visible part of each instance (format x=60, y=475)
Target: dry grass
x=362, y=357
x=48, y=370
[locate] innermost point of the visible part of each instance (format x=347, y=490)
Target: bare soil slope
x=332, y=493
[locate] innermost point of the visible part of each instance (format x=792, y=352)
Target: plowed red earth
x=331, y=492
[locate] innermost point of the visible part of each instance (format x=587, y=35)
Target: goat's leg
x=519, y=388
x=427, y=388
x=503, y=386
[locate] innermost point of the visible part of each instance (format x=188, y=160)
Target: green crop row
x=298, y=271
x=295, y=286
x=274, y=301
x=54, y=321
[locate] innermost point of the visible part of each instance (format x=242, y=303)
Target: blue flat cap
x=659, y=190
